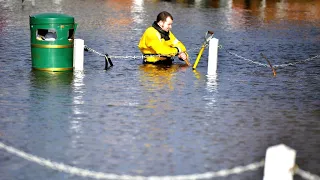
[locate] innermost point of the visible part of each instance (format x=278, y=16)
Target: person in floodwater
x=160, y=43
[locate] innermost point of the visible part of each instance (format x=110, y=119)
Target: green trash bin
x=52, y=38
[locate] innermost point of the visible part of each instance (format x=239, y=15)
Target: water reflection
x=50, y=94
x=277, y=10
x=50, y=106
x=121, y=8
x=78, y=113
x=212, y=83
x=55, y=5
x=137, y=11
x=266, y=10
x=50, y=80
x=78, y=90
x=212, y=88
x=157, y=78
x=213, y=4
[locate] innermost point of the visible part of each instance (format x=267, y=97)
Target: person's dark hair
x=163, y=16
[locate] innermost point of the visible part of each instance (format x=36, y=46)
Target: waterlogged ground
x=157, y=121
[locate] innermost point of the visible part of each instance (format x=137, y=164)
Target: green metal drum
x=52, y=37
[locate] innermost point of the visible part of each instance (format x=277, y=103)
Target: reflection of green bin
x=52, y=36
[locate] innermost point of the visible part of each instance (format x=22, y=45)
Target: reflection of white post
x=279, y=163
x=78, y=53
x=213, y=56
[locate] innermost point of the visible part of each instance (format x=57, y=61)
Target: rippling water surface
x=156, y=121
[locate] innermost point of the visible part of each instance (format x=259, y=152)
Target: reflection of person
x=158, y=77
x=159, y=40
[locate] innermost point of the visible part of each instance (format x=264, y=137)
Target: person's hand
x=183, y=56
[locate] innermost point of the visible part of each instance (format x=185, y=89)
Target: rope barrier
x=306, y=175
x=99, y=175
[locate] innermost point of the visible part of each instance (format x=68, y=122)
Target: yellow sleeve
x=151, y=43
x=176, y=43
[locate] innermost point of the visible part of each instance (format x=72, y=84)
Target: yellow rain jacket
x=151, y=43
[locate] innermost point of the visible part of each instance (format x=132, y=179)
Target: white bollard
x=279, y=163
x=78, y=53
x=213, y=56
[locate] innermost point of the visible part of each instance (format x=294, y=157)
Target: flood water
x=163, y=121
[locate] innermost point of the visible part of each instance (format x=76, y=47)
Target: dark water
x=156, y=121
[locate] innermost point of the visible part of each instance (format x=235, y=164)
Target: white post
x=78, y=53
x=213, y=56
x=279, y=163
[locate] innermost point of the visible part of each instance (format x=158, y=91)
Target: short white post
x=279, y=163
x=213, y=56
x=78, y=53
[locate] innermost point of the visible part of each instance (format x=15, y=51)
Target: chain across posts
x=298, y=62
x=273, y=67
x=207, y=38
x=106, y=56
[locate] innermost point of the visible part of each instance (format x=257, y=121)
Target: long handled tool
x=187, y=62
x=207, y=38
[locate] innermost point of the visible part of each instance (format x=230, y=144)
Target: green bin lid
x=51, y=18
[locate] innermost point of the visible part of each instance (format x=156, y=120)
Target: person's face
x=166, y=25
